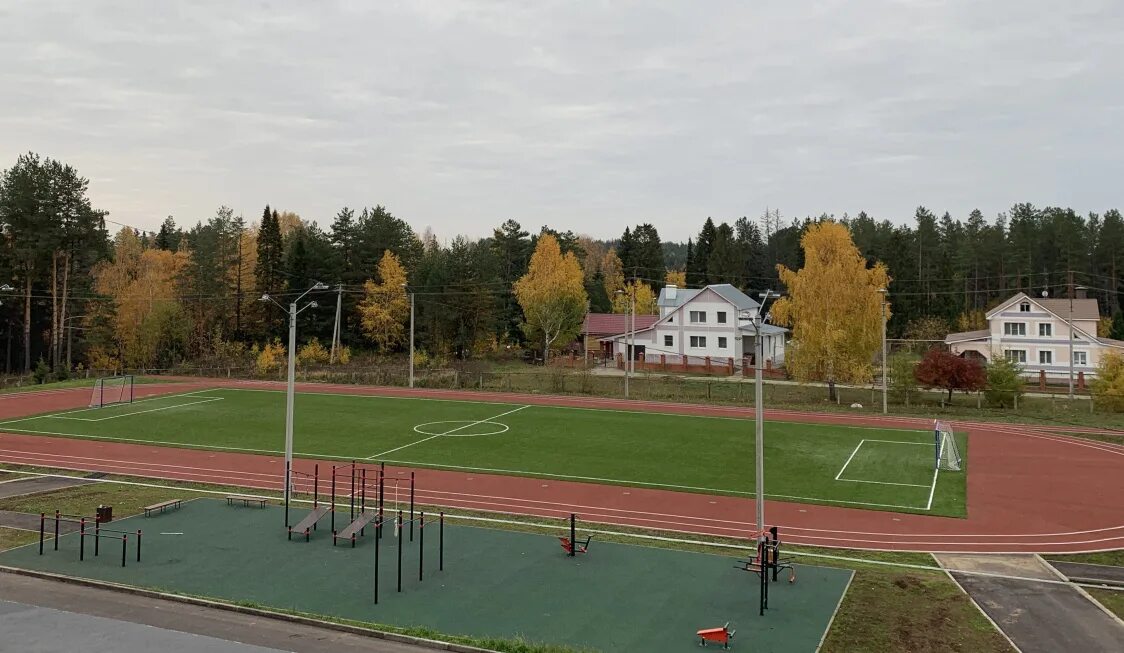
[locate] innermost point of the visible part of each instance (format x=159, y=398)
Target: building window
x=1080, y=358
x=698, y=317
x=721, y=317
x=668, y=341
x=671, y=320
x=1016, y=355
x=1024, y=307
x=1014, y=328
x=721, y=342
x=1046, y=358
x=698, y=342
x=1045, y=330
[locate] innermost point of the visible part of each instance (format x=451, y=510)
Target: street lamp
x=293, y=311
x=757, y=319
x=411, y=334
x=1070, y=327
x=883, y=291
x=630, y=337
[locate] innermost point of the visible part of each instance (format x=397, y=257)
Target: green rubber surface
x=495, y=583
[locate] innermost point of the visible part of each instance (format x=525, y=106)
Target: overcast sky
x=582, y=115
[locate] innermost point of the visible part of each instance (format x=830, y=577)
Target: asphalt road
x=47, y=616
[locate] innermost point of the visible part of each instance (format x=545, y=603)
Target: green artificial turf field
x=889, y=469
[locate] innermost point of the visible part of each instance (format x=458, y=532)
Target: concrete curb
x=258, y=612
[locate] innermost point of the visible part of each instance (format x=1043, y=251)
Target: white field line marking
x=138, y=401
x=602, y=410
x=849, y=458
x=449, y=432
x=933, y=488
x=84, y=410
x=855, y=480
x=204, y=447
x=137, y=412
x=924, y=444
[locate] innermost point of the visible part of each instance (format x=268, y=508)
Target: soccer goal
x=109, y=390
x=948, y=456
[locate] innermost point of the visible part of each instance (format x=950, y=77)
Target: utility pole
x=1070, y=328
x=336, y=328
x=883, y=292
x=411, y=338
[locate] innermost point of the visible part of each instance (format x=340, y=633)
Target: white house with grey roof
x=1035, y=332
x=714, y=321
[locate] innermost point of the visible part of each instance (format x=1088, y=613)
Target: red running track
x=1028, y=489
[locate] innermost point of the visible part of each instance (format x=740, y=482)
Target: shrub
x=312, y=353
x=271, y=357
x=42, y=371
x=902, y=380
x=941, y=369
x=1004, y=382
x=1108, y=387
x=61, y=373
x=343, y=355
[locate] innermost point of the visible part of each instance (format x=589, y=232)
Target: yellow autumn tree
x=834, y=307
x=645, y=298
x=385, y=308
x=149, y=327
x=676, y=278
x=612, y=273
x=551, y=295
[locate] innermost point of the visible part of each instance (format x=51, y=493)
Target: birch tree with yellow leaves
x=551, y=295
x=834, y=308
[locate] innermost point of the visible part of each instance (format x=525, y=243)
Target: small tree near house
x=941, y=369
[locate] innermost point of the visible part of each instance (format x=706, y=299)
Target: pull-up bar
x=83, y=534
x=399, y=529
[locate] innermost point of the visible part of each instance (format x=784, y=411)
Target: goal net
x=948, y=456
x=109, y=390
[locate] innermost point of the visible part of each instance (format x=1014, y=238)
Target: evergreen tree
x=168, y=238
x=724, y=264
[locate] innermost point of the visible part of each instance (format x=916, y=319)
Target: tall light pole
x=411, y=335
x=759, y=412
x=1071, y=334
x=883, y=291
x=630, y=336
x=290, y=391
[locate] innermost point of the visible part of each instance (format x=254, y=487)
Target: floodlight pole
x=884, y=408
x=759, y=415
x=290, y=390
x=411, y=340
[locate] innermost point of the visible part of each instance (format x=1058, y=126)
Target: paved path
x=1089, y=573
x=47, y=616
x=1038, y=617
x=37, y=485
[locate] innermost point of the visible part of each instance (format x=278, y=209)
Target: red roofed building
x=605, y=325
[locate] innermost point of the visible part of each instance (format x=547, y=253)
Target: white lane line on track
x=844, y=541
x=513, y=501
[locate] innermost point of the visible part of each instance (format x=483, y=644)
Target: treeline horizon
x=82, y=293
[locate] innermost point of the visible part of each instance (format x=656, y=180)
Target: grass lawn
x=13, y=537
x=888, y=469
x=1111, y=599
x=909, y=611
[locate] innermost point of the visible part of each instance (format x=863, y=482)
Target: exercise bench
x=246, y=501
x=162, y=506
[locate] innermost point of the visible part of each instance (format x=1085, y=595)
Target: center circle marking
x=443, y=428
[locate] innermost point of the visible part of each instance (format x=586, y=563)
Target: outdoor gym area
x=458, y=578
x=833, y=464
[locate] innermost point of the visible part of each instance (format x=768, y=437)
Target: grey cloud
x=588, y=116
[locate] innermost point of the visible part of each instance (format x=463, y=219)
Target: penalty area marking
x=499, y=428
x=839, y=475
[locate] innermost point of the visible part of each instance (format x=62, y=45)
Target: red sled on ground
x=721, y=635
